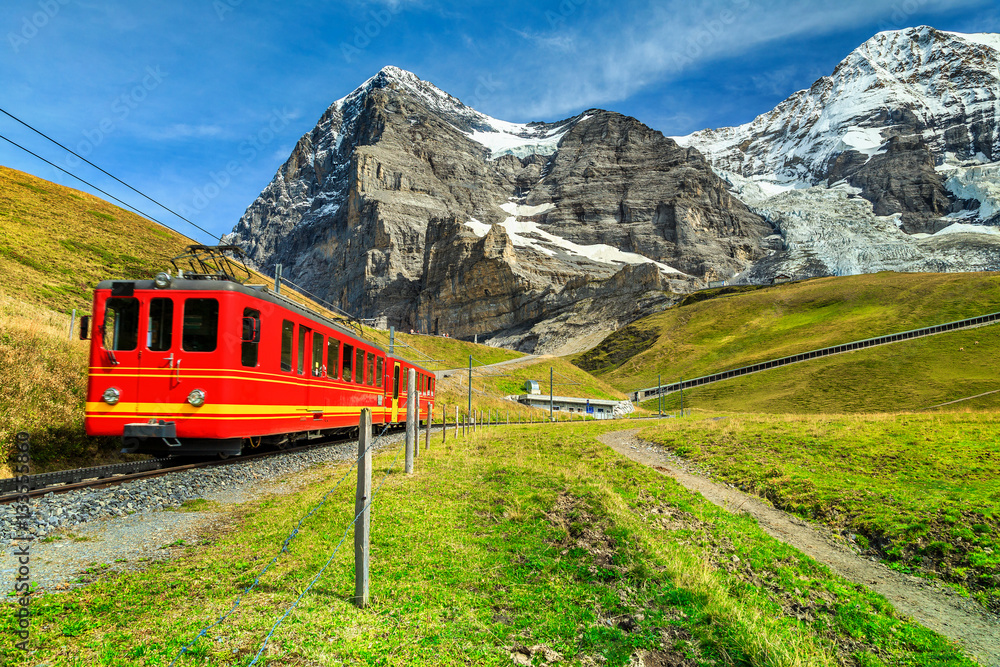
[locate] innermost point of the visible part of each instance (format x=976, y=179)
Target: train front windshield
x=121, y=324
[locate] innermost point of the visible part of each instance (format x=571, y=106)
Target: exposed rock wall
x=394, y=207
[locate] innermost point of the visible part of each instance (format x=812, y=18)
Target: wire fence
x=284, y=547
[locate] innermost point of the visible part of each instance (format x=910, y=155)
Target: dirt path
x=950, y=615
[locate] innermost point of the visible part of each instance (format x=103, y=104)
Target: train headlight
x=196, y=398
x=162, y=279
x=111, y=395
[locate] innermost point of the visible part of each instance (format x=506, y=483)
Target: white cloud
x=609, y=59
x=185, y=131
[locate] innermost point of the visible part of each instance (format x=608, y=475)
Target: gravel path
x=81, y=534
x=937, y=608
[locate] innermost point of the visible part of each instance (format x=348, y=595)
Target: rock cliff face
x=404, y=205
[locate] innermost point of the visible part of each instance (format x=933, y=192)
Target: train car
x=199, y=364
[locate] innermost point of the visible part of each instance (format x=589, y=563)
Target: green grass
x=730, y=331
x=438, y=352
x=919, y=489
x=529, y=539
x=909, y=375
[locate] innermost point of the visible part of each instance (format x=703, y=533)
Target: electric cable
x=164, y=207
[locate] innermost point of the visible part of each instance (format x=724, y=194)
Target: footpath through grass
x=527, y=545
x=918, y=490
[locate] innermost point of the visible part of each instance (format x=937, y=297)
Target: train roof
x=261, y=292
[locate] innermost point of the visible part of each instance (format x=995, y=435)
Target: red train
x=199, y=364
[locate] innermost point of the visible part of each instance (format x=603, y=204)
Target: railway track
x=100, y=477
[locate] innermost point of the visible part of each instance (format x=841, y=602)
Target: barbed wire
x=328, y=561
x=284, y=548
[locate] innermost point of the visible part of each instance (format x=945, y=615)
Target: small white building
x=596, y=408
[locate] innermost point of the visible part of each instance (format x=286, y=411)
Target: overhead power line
x=139, y=192
x=87, y=183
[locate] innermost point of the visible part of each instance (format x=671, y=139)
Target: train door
x=319, y=397
x=303, y=352
x=395, y=392
x=120, y=354
x=161, y=359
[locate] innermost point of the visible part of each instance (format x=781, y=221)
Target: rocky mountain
x=405, y=205
x=908, y=123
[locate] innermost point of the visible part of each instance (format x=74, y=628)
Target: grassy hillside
x=733, y=330
x=491, y=385
x=56, y=243
x=910, y=375
x=438, y=352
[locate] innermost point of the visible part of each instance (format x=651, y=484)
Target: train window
x=332, y=358
x=250, y=337
x=395, y=381
x=287, y=338
x=430, y=388
x=121, y=324
x=378, y=372
x=201, y=325
x=370, y=379
x=359, y=367
x=303, y=331
x=348, y=363
x=317, y=358
x=161, y=321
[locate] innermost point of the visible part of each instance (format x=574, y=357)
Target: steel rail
x=104, y=482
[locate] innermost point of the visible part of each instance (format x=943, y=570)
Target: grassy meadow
x=917, y=490
x=528, y=545
x=905, y=376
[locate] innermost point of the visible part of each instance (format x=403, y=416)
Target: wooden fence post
x=456, y=422
x=411, y=417
x=362, y=507
x=427, y=430
x=444, y=423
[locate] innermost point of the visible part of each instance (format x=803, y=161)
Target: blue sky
x=166, y=95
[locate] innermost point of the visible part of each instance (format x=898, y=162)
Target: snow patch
x=963, y=228
x=866, y=140
x=528, y=234
x=517, y=139
x=979, y=182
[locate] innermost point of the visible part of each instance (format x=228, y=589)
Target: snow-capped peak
x=942, y=86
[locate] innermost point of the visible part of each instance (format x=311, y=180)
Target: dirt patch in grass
x=582, y=531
